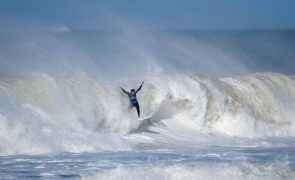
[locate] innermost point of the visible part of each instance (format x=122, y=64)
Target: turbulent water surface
x=220, y=105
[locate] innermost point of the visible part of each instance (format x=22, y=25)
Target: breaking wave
x=42, y=113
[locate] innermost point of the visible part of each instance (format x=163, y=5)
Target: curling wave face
x=41, y=113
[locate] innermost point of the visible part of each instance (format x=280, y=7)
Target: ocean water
x=220, y=104
x=211, y=163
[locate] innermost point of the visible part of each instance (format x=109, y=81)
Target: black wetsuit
x=133, y=99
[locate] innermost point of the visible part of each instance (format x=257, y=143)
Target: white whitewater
x=41, y=113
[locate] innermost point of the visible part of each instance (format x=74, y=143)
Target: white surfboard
x=144, y=118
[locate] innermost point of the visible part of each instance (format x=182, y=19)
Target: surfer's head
x=132, y=91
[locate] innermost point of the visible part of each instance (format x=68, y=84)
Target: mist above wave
x=59, y=87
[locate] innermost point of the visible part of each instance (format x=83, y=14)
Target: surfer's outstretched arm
x=124, y=91
x=139, y=87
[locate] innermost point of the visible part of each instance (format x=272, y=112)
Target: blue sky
x=183, y=14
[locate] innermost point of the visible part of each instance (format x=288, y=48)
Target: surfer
x=133, y=99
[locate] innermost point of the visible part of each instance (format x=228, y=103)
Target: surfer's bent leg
x=137, y=109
